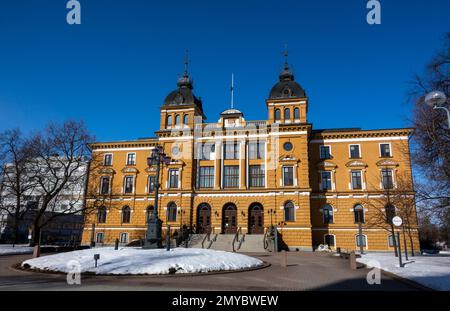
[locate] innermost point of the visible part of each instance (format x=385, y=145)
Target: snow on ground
x=129, y=260
x=8, y=249
x=431, y=270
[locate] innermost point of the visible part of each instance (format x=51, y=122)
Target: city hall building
x=237, y=174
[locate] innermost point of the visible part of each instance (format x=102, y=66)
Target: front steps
x=247, y=243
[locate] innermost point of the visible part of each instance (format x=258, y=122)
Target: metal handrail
x=266, y=239
x=214, y=239
x=207, y=237
x=236, y=238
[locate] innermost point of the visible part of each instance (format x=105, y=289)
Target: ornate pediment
x=130, y=170
x=387, y=162
x=176, y=163
x=289, y=158
x=326, y=165
x=356, y=163
x=150, y=169
x=106, y=170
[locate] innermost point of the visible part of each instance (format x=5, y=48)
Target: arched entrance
x=203, y=218
x=229, y=219
x=256, y=219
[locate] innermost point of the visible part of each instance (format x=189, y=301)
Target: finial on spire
x=232, y=90
x=186, y=63
x=286, y=55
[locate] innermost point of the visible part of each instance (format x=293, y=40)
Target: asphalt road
x=305, y=271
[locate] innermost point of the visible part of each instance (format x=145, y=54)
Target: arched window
x=177, y=119
x=277, y=114
x=169, y=121
x=126, y=215
x=296, y=113
x=172, y=212
x=390, y=213
x=186, y=119
x=358, y=211
x=101, y=215
x=150, y=211
x=289, y=211
x=287, y=114
x=328, y=217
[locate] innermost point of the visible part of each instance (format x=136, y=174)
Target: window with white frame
x=328, y=217
x=391, y=241
x=131, y=159
x=174, y=175
x=101, y=215
x=107, y=159
x=100, y=237
x=256, y=176
x=126, y=215
x=105, y=185
x=387, y=179
x=289, y=211
x=151, y=183
x=256, y=150
x=231, y=150
x=385, y=150
x=206, y=177
x=288, y=176
x=355, y=152
x=325, y=152
x=172, y=212
x=231, y=176
x=358, y=212
x=325, y=180
x=128, y=184
x=329, y=240
x=123, y=239
x=206, y=151
x=356, y=180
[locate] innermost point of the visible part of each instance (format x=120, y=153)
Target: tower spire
x=286, y=55
x=232, y=90
x=186, y=63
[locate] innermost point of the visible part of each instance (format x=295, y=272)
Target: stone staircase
x=224, y=242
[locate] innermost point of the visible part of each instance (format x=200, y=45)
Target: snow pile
x=431, y=271
x=8, y=249
x=142, y=261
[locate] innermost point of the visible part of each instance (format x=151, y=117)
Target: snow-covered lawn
x=130, y=260
x=431, y=270
x=8, y=249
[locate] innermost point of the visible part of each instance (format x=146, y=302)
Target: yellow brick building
x=235, y=173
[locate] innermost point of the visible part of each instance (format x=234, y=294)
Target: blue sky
x=115, y=69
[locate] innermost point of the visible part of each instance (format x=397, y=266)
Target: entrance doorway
x=204, y=218
x=256, y=219
x=229, y=219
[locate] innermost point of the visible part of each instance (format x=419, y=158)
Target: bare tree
x=60, y=169
x=15, y=158
x=431, y=140
x=395, y=200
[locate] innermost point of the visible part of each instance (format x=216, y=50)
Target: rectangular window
x=206, y=151
x=385, y=150
x=131, y=159
x=206, y=178
x=356, y=180
x=100, y=237
x=231, y=151
x=325, y=180
x=231, y=176
x=358, y=240
x=288, y=176
x=104, y=185
x=256, y=150
x=354, y=152
x=174, y=175
x=257, y=176
x=123, y=238
x=151, y=184
x=325, y=152
x=387, y=180
x=107, y=160
x=391, y=241
x=329, y=240
x=128, y=184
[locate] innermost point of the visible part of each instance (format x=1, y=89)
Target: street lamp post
x=438, y=100
x=154, y=225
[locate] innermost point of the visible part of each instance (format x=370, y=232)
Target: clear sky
x=115, y=69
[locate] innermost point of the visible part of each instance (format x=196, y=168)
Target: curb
x=18, y=266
